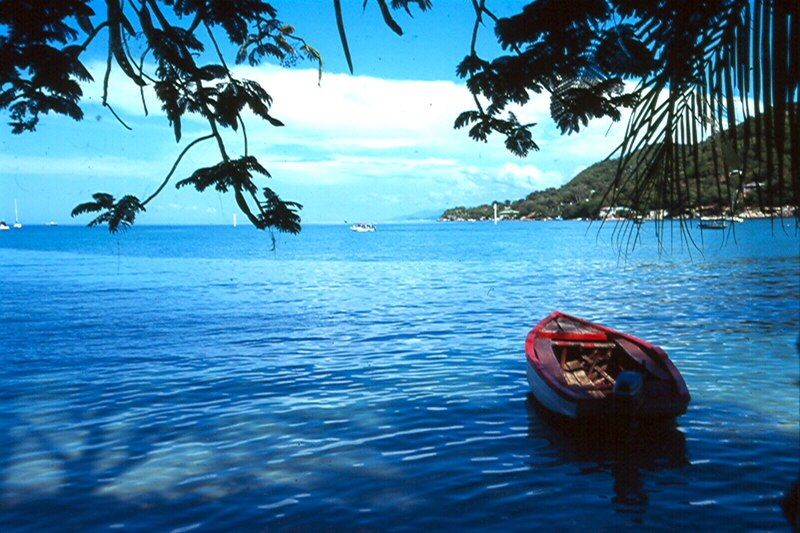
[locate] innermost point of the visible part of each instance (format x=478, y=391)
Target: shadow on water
x=184, y=461
x=75, y=490
x=85, y=495
x=79, y=498
x=626, y=451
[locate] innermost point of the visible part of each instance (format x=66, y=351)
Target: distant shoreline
x=756, y=215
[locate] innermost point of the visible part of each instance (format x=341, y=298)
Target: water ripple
x=346, y=383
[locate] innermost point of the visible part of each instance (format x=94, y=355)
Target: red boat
x=579, y=369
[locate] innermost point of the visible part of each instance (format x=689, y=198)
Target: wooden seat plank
x=582, y=378
x=583, y=344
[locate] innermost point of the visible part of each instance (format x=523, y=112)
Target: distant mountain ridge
x=581, y=197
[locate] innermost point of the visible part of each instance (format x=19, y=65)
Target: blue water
x=175, y=378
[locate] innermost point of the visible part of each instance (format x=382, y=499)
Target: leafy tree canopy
x=42, y=43
x=685, y=70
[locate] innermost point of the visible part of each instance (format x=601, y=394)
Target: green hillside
x=582, y=196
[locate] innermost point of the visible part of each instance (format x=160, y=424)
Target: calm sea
x=179, y=378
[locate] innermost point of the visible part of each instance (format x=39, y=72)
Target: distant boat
x=713, y=224
x=579, y=369
x=52, y=223
x=4, y=226
x=234, y=220
x=17, y=224
x=363, y=228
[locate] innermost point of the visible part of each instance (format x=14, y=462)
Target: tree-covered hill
x=591, y=189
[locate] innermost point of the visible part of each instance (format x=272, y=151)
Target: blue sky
x=375, y=146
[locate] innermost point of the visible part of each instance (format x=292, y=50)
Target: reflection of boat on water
x=4, y=226
x=655, y=442
x=630, y=454
x=363, y=228
x=579, y=369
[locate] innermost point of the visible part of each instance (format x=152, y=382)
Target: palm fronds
x=699, y=69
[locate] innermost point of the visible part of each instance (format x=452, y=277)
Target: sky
x=375, y=146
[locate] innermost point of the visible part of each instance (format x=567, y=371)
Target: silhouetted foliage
x=40, y=70
x=686, y=70
x=117, y=214
x=41, y=44
x=692, y=69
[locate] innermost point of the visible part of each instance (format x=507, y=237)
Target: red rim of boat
x=577, y=394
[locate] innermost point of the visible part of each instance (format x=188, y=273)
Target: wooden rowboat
x=580, y=369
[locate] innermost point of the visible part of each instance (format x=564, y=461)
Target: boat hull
x=713, y=226
x=663, y=393
x=363, y=228
x=599, y=408
x=546, y=396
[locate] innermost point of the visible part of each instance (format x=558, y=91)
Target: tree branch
x=91, y=36
x=174, y=167
x=216, y=49
x=105, y=92
x=337, y=7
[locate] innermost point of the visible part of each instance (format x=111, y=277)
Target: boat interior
x=591, y=359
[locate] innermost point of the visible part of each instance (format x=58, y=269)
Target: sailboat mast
x=17, y=225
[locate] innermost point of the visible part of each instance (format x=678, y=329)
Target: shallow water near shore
x=180, y=378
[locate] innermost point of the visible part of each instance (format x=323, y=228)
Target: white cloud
x=337, y=169
x=530, y=176
x=356, y=143
x=101, y=166
x=393, y=139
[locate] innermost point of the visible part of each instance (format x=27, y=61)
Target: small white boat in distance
x=17, y=224
x=4, y=226
x=712, y=223
x=363, y=228
x=52, y=223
